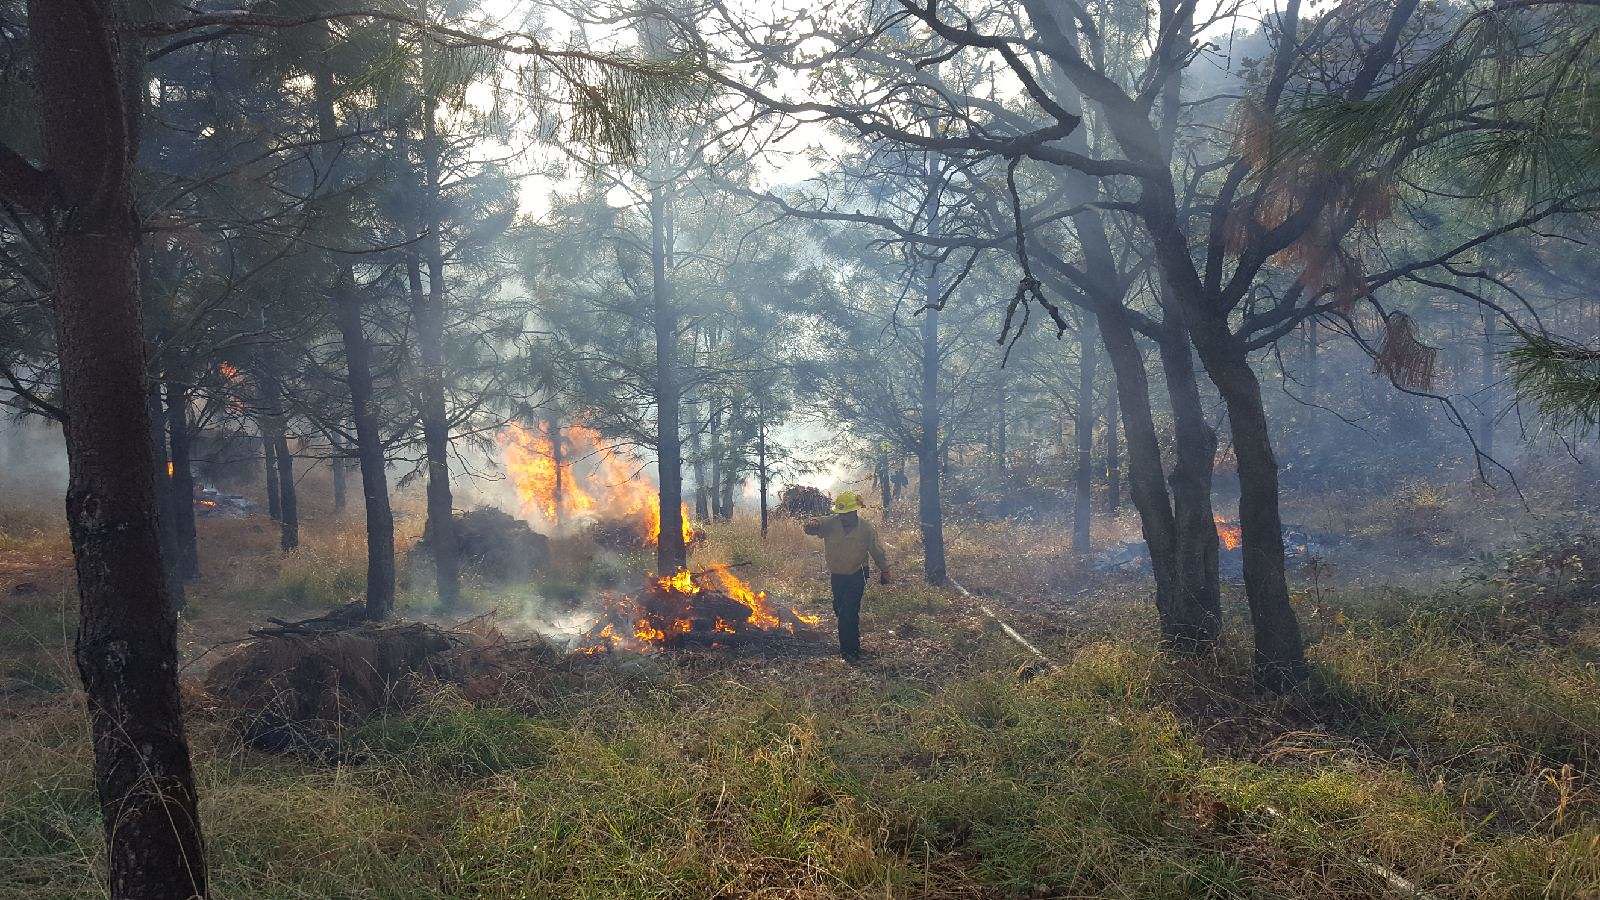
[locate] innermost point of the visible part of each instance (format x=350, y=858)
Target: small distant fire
x=572, y=475
x=1229, y=533
x=711, y=608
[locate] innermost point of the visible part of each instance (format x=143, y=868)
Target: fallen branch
x=1005, y=626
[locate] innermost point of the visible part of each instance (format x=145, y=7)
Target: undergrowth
x=1463, y=764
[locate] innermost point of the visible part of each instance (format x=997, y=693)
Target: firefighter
x=847, y=541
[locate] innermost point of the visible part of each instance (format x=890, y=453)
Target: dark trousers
x=847, y=591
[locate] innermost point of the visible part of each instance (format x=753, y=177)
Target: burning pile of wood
x=707, y=608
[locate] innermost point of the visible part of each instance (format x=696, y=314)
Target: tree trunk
x=358, y=377
x=289, y=502
x=1000, y=426
x=702, y=505
x=1146, y=482
x=761, y=462
x=166, y=516
x=182, y=441
x=671, y=554
x=126, y=648
x=930, y=512
x=1113, y=454
x=1313, y=382
x=930, y=452
x=732, y=446
x=1194, y=451
x=337, y=465
x=441, y=526
x=282, y=461
x=1486, y=403
x=714, y=436
x=881, y=467
x=1279, y=649
x=1083, y=431
x=370, y=456
x=558, y=462
x=269, y=462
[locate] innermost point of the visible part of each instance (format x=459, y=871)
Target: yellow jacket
x=847, y=549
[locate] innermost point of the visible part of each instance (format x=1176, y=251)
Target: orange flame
x=1231, y=534
x=172, y=470
x=680, y=582
x=652, y=513
x=591, y=480
x=671, y=609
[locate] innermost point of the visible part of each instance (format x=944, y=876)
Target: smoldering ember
x=697, y=448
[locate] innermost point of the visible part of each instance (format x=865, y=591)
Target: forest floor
x=1448, y=745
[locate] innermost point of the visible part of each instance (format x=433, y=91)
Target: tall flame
x=580, y=477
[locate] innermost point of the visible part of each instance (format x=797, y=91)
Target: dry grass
x=1456, y=748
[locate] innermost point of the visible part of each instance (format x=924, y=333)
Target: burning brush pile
x=707, y=608
x=568, y=477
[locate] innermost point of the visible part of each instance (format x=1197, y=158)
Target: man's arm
x=814, y=526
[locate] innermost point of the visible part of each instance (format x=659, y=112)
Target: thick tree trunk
x=1146, y=481
x=126, y=648
x=181, y=437
x=671, y=554
x=358, y=377
x=269, y=462
x=1083, y=432
x=370, y=456
x=1279, y=649
x=1194, y=451
x=441, y=526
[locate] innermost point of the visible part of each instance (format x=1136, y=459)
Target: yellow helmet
x=847, y=501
